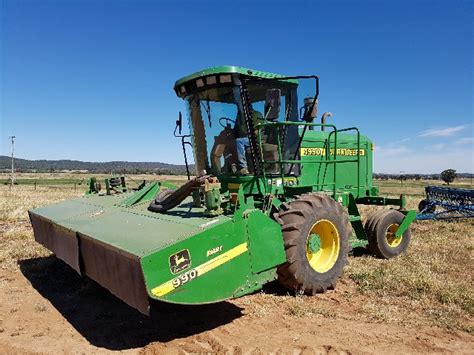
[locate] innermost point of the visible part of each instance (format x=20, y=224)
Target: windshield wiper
x=207, y=108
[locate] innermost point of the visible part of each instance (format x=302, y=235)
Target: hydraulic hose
x=168, y=199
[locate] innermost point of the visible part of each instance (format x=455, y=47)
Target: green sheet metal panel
x=313, y=151
x=266, y=242
x=207, y=267
x=132, y=229
x=68, y=209
x=217, y=264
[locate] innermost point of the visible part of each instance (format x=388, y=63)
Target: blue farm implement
x=446, y=203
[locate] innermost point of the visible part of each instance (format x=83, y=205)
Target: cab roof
x=246, y=72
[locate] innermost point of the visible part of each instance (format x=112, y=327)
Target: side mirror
x=272, y=104
x=179, y=123
x=310, y=109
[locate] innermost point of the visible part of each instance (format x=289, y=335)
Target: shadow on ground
x=107, y=322
x=361, y=251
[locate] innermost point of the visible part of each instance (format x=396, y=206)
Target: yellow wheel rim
x=392, y=240
x=322, y=246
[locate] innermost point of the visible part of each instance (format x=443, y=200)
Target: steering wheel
x=227, y=120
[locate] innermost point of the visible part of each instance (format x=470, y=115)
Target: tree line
x=25, y=165
x=448, y=176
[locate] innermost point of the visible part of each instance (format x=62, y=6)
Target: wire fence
x=81, y=183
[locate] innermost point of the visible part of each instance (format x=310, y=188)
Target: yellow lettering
x=314, y=151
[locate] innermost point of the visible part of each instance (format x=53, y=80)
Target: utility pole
x=12, y=178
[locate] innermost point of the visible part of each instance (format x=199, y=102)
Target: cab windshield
x=220, y=135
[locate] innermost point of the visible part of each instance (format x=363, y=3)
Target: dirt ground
x=45, y=307
x=37, y=318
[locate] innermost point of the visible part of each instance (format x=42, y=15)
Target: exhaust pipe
x=325, y=116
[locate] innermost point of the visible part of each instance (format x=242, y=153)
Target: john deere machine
x=274, y=196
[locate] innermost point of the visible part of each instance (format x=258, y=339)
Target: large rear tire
x=380, y=229
x=315, y=234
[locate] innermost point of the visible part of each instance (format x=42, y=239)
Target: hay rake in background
x=446, y=203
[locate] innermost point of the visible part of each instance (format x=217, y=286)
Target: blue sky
x=92, y=80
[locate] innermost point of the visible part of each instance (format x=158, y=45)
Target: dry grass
x=429, y=285
x=434, y=280
x=16, y=235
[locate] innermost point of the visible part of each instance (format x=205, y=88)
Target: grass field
x=430, y=285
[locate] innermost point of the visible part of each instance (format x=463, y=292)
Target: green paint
x=355, y=219
x=212, y=201
x=409, y=218
x=216, y=285
x=168, y=185
x=147, y=193
x=265, y=239
x=314, y=243
x=358, y=243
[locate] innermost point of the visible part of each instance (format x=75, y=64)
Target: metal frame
x=447, y=203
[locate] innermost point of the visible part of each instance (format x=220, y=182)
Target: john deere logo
x=180, y=261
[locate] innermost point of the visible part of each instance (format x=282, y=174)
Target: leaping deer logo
x=179, y=261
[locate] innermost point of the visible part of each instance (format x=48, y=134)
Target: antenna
x=12, y=178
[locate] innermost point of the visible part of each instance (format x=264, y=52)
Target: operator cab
x=225, y=106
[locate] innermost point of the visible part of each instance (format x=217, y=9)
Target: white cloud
x=451, y=153
x=387, y=152
x=438, y=146
x=466, y=140
x=441, y=132
x=423, y=161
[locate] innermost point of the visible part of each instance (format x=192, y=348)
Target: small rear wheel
x=424, y=205
x=381, y=229
x=315, y=234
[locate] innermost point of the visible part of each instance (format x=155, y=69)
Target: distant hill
x=24, y=165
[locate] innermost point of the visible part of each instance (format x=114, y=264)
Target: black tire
x=380, y=228
x=114, y=182
x=370, y=226
x=298, y=219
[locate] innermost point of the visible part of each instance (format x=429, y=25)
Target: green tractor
x=274, y=196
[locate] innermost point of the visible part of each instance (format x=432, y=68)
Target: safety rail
x=348, y=161
x=329, y=158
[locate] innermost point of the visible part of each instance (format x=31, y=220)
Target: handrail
x=358, y=151
x=334, y=160
x=293, y=123
x=282, y=162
